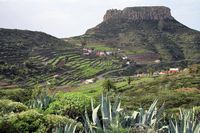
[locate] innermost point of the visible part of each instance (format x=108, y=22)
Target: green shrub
x=15, y=94
x=28, y=121
x=70, y=104
x=52, y=121
x=108, y=85
x=7, y=106
x=33, y=121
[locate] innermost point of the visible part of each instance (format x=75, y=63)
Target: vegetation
x=70, y=104
x=34, y=58
x=108, y=85
x=114, y=119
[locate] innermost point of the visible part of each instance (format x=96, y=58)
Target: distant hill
x=17, y=45
x=142, y=31
x=28, y=58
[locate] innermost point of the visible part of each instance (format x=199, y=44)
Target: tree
x=129, y=80
x=108, y=85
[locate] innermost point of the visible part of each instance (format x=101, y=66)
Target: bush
x=7, y=106
x=52, y=121
x=15, y=94
x=27, y=121
x=33, y=121
x=108, y=85
x=70, y=104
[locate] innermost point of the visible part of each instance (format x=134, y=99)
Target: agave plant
x=42, y=101
x=148, y=120
x=66, y=129
x=110, y=117
x=187, y=123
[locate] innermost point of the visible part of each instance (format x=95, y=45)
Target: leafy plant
x=41, y=99
x=8, y=106
x=110, y=117
x=69, y=104
x=187, y=123
x=108, y=85
x=149, y=120
x=66, y=129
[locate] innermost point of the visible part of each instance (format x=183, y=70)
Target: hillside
x=177, y=90
x=29, y=58
x=17, y=45
x=140, y=31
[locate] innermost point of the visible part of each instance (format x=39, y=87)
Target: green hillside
x=29, y=58
x=168, y=38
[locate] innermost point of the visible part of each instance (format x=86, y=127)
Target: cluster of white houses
x=87, y=52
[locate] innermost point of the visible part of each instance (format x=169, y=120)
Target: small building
x=174, y=69
x=108, y=52
x=86, y=53
x=100, y=54
x=157, y=61
x=89, y=50
x=125, y=58
x=89, y=81
x=170, y=71
x=128, y=63
x=163, y=73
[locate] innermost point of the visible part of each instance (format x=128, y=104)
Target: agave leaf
x=95, y=116
x=197, y=129
x=172, y=127
x=116, y=104
x=151, y=112
x=87, y=123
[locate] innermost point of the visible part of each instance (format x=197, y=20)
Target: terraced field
x=72, y=66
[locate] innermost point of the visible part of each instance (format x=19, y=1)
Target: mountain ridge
x=162, y=35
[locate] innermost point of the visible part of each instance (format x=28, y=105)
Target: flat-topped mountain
x=139, y=13
x=144, y=30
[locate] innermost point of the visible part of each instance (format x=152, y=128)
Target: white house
x=89, y=81
x=125, y=58
x=108, y=53
x=128, y=63
x=174, y=69
x=157, y=61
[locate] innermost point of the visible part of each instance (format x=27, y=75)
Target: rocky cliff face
x=139, y=13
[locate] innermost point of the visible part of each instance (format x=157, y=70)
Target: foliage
x=108, y=85
x=115, y=119
x=66, y=129
x=187, y=123
x=129, y=80
x=15, y=94
x=110, y=117
x=70, y=104
x=8, y=106
x=57, y=123
x=41, y=98
x=33, y=121
x=28, y=121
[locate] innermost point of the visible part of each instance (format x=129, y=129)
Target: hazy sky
x=65, y=18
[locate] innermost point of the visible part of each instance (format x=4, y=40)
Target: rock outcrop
x=139, y=13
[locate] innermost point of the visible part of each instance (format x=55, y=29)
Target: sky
x=66, y=18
